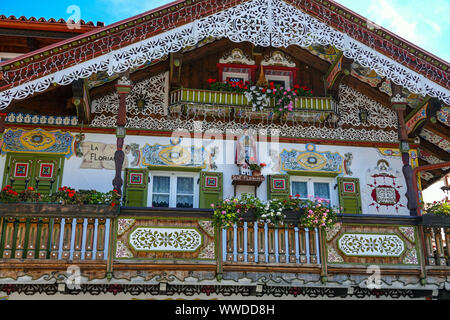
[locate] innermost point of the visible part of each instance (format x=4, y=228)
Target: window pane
x=161, y=184
x=300, y=188
x=185, y=185
x=185, y=201
x=160, y=201
x=322, y=190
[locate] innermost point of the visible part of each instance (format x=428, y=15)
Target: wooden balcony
x=195, y=102
x=139, y=242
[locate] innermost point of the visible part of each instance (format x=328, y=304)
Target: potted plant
x=437, y=214
x=255, y=167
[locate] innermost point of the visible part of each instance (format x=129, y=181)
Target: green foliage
x=441, y=208
x=64, y=195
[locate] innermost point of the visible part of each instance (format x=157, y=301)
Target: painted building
x=170, y=108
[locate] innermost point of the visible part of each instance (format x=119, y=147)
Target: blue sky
x=424, y=23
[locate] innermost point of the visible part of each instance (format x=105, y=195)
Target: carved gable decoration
x=236, y=56
x=278, y=58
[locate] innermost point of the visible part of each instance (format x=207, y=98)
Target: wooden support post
x=32, y=239
x=123, y=87
x=399, y=104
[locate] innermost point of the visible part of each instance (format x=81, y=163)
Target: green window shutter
x=211, y=188
x=136, y=187
x=41, y=172
x=349, y=195
x=278, y=187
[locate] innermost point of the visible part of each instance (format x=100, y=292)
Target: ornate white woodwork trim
x=153, y=92
x=221, y=127
x=352, y=101
x=261, y=22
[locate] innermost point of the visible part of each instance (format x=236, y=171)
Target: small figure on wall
x=246, y=152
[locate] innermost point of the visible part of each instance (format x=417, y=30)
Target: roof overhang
x=278, y=23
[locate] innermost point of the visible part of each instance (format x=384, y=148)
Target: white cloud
x=394, y=19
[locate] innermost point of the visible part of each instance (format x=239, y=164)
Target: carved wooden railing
x=190, y=101
x=251, y=242
x=55, y=232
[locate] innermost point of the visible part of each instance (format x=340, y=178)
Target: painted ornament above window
x=38, y=141
x=312, y=161
x=174, y=155
x=384, y=190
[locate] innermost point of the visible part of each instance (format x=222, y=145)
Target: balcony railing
x=213, y=103
x=264, y=243
x=137, y=238
x=54, y=232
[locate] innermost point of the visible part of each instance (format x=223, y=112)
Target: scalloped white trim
x=261, y=22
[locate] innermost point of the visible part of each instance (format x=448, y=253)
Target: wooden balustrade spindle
x=230, y=244
x=439, y=247
x=292, y=244
x=312, y=246
x=89, y=239
x=44, y=236
x=251, y=242
x=101, y=230
x=8, y=237
x=67, y=238
x=261, y=243
x=429, y=246
x=78, y=239
x=271, y=243
x=55, y=234
x=19, y=237
x=281, y=245
x=447, y=244
x=303, y=244
x=32, y=238
x=240, y=242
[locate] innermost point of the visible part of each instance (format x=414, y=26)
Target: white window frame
x=173, y=186
x=226, y=75
x=286, y=79
x=310, y=186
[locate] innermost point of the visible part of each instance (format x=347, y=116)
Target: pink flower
x=224, y=212
x=212, y=205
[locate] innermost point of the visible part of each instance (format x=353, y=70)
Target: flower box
x=293, y=217
x=40, y=209
x=434, y=220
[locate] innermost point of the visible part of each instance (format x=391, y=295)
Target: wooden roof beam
x=433, y=150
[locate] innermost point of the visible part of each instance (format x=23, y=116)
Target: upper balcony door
x=174, y=190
